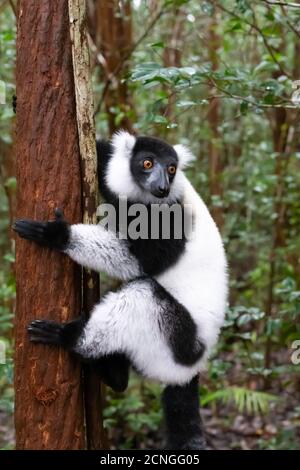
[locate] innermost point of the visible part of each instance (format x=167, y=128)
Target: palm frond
x=246, y=400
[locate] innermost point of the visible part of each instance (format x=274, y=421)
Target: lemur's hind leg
x=183, y=421
x=142, y=321
x=113, y=369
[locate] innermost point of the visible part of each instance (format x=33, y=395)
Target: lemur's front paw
x=45, y=331
x=54, y=234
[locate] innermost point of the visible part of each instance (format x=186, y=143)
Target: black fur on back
x=182, y=417
x=179, y=328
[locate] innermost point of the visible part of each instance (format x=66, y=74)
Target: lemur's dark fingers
x=30, y=229
x=61, y=334
x=24, y=224
x=43, y=339
x=46, y=332
x=53, y=234
x=59, y=215
x=45, y=325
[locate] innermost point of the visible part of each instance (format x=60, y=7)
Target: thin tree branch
x=267, y=45
x=283, y=104
x=289, y=24
x=228, y=95
x=275, y=2
x=257, y=28
x=13, y=7
x=128, y=55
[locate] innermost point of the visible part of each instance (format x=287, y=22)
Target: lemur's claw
x=45, y=331
x=30, y=229
x=59, y=214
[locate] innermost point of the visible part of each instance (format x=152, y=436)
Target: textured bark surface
x=49, y=408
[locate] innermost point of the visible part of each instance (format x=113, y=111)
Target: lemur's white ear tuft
x=123, y=142
x=185, y=156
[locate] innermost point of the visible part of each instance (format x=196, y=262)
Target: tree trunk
x=7, y=172
x=49, y=405
x=95, y=435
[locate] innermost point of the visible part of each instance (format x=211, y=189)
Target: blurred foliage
x=7, y=281
x=244, y=56
x=134, y=414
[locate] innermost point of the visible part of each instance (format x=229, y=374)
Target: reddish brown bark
x=7, y=171
x=49, y=408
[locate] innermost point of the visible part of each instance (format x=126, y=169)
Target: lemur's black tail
x=182, y=417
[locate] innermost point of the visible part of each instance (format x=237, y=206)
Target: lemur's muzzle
x=160, y=185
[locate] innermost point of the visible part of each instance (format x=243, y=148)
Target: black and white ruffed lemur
x=166, y=317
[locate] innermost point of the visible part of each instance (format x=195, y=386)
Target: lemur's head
x=146, y=169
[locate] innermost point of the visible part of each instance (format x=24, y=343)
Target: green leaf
x=160, y=119
x=242, y=5
x=244, y=319
x=184, y=103
x=10, y=257
x=207, y=8
x=158, y=45
x=172, y=125
x=244, y=107
x=11, y=182
x=246, y=400
x=234, y=25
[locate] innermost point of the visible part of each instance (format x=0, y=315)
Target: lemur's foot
x=54, y=234
x=50, y=332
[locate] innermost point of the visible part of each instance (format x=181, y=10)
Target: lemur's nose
x=164, y=191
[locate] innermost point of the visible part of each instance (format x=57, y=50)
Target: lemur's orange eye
x=148, y=164
x=172, y=169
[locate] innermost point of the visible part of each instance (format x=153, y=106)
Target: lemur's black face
x=153, y=165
